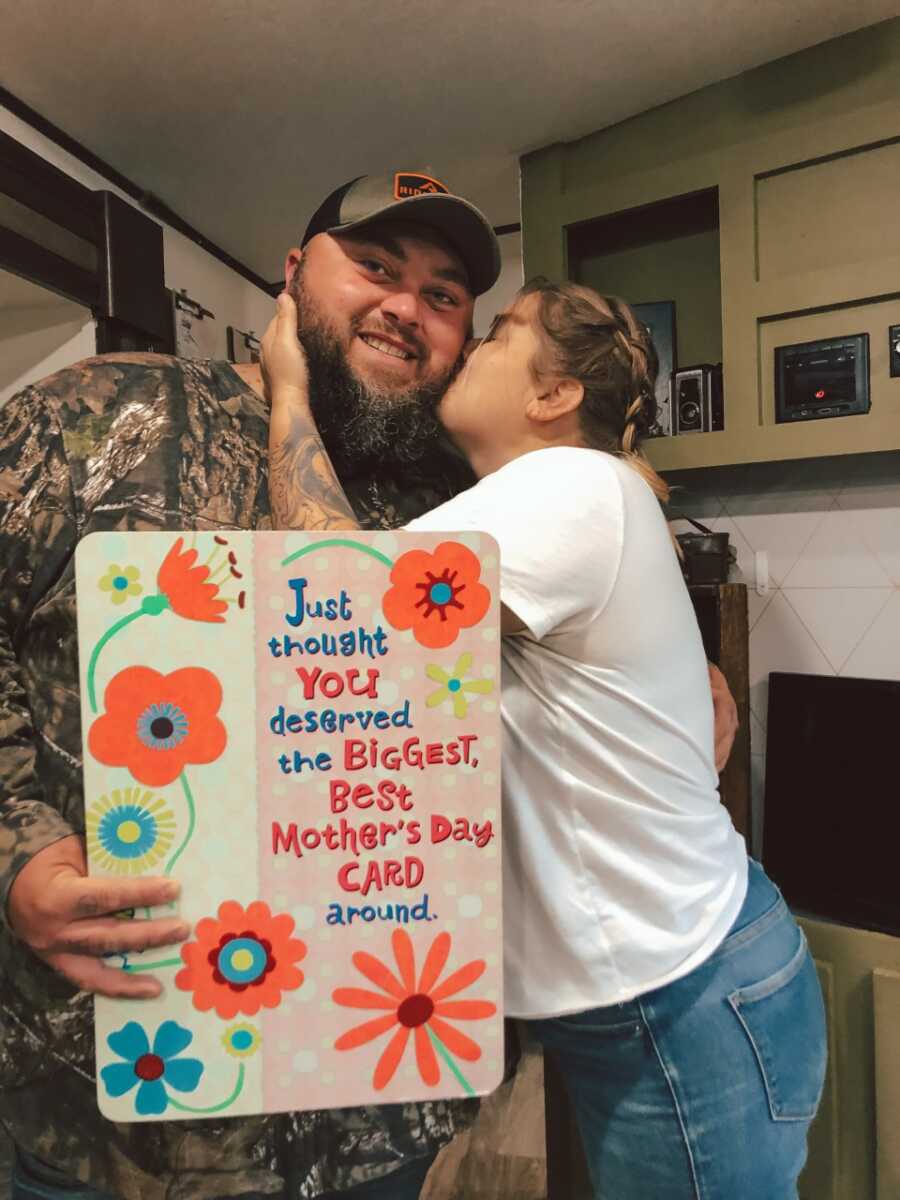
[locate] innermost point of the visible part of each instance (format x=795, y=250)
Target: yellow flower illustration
x=455, y=685
x=121, y=582
x=129, y=831
x=241, y=1041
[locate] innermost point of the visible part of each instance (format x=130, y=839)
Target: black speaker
x=697, y=401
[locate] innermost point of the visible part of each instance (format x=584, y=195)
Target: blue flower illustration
x=129, y=831
x=153, y=1069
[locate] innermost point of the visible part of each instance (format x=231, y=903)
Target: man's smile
x=392, y=347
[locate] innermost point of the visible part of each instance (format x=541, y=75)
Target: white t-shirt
x=622, y=870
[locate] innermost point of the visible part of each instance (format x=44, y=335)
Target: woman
x=657, y=964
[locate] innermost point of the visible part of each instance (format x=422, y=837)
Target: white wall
x=233, y=299
x=35, y=341
x=509, y=282
x=831, y=530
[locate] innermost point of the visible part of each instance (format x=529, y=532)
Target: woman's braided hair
x=598, y=341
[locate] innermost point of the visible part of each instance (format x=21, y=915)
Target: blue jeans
x=34, y=1180
x=703, y=1089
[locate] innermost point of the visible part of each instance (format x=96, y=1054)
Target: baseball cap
x=411, y=196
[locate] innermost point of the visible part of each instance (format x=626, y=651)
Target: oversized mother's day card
x=304, y=730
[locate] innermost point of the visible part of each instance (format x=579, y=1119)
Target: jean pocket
x=783, y=1016
x=619, y=1021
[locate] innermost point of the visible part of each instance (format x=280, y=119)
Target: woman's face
x=484, y=408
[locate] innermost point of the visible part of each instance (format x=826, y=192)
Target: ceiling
x=242, y=114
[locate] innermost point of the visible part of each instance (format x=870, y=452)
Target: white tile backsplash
x=784, y=536
x=838, y=618
x=876, y=515
x=836, y=556
x=878, y=654
x=781, y=642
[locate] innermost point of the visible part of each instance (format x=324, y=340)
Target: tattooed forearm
x=303, y=486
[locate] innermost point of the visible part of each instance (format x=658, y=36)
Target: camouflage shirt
x=139, y=441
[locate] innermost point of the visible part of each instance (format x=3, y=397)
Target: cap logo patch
x=407, y=184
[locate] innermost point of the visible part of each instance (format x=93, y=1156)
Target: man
x=385, y=280
x=148, y=442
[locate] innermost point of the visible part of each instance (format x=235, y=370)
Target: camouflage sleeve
x=37, y=535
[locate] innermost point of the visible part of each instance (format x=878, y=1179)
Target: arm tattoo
x=303, y=486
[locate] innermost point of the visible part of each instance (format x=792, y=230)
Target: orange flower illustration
x=436, y=594
x=422, y=1008
x=242, y=961
x=156, y=724
x=186, y=587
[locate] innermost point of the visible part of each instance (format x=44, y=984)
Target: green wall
x=684, y=269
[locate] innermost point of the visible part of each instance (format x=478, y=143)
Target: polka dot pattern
x=298, y=1065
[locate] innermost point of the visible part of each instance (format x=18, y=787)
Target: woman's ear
x=562, y=397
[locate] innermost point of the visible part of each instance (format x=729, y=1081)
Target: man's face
x=383, y=316
x=396, y=300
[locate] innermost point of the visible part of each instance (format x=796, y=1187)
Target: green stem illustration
x=445, y=1055
x=151, y=606
x=152, y=966
x=92, y=665
x=192, y=822
x=214, y=1108
x=373, y=553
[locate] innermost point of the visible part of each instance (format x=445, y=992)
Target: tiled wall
x=831, y=531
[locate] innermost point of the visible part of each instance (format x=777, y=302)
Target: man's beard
x=364, y=426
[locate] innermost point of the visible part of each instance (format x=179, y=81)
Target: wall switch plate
x=894, y=349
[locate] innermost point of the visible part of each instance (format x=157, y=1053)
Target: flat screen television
x=831, y=822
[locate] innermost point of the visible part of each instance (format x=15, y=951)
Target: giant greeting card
x=303, y=729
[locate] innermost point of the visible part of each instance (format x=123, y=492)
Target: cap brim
x=459, y=222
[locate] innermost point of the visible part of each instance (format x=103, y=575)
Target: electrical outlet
x=894, y=349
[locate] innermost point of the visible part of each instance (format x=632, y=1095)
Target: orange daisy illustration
x=156, y=724
x=436, y=595
x=242, y=960
x=420, y=1008
x=187, y=587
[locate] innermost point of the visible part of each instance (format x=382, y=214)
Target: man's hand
x=725, y=716
x=282, y=359
x=67, y=919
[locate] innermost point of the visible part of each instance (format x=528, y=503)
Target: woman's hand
x=303, y=487
x=725, y=716
x=282, y=359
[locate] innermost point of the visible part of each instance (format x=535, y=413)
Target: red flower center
x=439, y=593
x=149, y=1067
x=415, y=1010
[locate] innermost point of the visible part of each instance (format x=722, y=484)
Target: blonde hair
x=598, y=341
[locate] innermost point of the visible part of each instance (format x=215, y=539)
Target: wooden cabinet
x=854, y=1145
